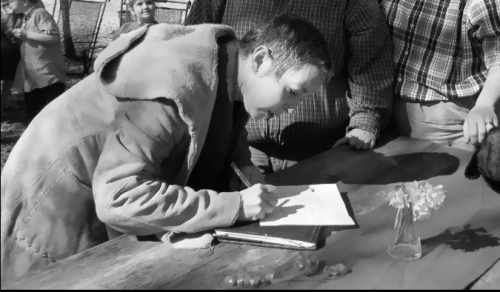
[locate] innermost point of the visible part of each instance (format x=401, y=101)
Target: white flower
x=423, y=196
x=397, y=198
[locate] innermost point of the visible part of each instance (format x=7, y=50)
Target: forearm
x=42, y=37
x=490, y=95
x=143, y=206
x=139, y=182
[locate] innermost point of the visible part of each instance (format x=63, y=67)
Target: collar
x=27, y=13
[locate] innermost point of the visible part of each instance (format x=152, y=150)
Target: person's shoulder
x=40, y=13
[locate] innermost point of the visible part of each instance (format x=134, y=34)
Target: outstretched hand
x=359, y=139
x=479, y=122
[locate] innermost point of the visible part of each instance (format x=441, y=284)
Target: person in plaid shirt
x=352, y=107
x=447, y=58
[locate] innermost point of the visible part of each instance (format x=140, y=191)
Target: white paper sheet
x=308, y=205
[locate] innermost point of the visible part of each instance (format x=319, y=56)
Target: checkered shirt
x=360, y=93
x=443, y=49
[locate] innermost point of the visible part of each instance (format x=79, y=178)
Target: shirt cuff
x=239, y=210
x=366, y=122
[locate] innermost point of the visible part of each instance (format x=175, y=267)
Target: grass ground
x=13, y=125
x=13, y=121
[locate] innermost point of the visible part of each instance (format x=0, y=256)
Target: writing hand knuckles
x=260, y=215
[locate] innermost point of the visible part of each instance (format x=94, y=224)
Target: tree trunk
x=69, y=46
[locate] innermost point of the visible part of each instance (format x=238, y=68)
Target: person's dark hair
x=485, y=161
x=293, y=42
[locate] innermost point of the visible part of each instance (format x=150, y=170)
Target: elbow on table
x=113, y=216
x=110, y=217
x=123, y=216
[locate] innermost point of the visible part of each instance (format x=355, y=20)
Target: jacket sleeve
x=128, y=192
x=370, y=67
x=206, y=11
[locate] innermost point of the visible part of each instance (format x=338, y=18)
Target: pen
x=240, y=175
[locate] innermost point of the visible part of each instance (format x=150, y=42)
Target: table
x=467, y=261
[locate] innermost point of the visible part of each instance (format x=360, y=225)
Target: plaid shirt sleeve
x=370, y=67
x=485, y=20
x=206, y=11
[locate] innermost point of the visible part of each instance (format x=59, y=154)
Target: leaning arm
x=484, y=18
x=132, y=192
x=487, y=19
x=370, y=67
x=490, y=95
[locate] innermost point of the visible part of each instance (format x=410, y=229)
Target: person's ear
x=261, y=61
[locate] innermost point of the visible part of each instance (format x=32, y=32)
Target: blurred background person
x=144, y=13
x=11, y=52
x=42, y=61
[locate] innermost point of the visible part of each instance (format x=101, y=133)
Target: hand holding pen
x=257, y=200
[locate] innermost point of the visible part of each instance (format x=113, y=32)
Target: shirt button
x=412, y=25
x=400, y=79
x=406, y=53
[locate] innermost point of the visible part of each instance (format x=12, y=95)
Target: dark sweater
x=227, y=124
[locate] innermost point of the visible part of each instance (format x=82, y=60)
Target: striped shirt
x=360, y=93
x=443, y=49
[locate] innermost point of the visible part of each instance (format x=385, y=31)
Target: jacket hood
x=167, y=61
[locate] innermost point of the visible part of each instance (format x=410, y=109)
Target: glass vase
x=405, y=244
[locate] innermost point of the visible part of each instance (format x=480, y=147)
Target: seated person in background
x=352, y=107
x=144, y=13
x=11, y=53
x=42, y=63
x=447, y=58
x=144, y=144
